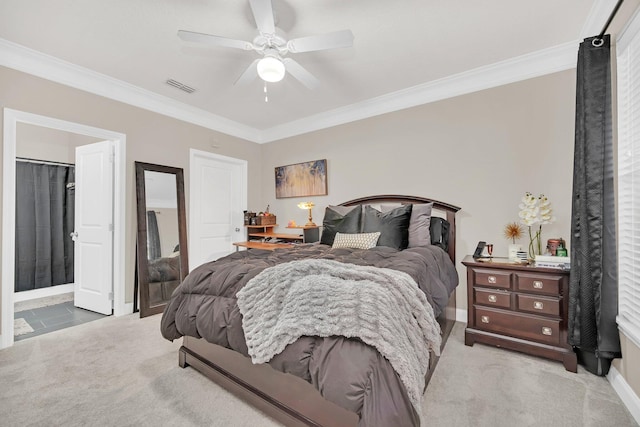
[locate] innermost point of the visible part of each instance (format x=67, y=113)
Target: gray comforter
x=344, y=370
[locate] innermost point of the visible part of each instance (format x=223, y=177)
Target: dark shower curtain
x=44, y=220
x=593, y=288
x=153, y=236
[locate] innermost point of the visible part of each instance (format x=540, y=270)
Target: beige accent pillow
x=356, y=240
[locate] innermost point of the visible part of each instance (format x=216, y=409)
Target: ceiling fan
x=274, y=48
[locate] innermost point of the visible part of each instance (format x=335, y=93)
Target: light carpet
x=121, y=372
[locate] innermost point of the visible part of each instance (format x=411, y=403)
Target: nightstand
x=519, y=307
x=311, y=233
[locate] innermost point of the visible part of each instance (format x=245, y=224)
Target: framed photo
x=302, y=179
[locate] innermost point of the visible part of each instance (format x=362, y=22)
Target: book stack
x=549, y=261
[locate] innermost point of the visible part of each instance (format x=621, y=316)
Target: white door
x=218, y=196
x=93, y=273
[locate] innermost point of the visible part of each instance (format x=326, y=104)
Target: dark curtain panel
x=593, y=289
x=69, y=222
x=44, y=220
x=153, y=236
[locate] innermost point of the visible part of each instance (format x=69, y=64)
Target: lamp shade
x=308, y=205
x=271, y=69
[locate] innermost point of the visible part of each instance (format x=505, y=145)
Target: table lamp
x=308, y=205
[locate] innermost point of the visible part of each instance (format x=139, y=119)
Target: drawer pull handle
x=492, y=298
x=537, y=284
x=546, y=330
x=484, y=319
x=538, y=305
x=491, y=279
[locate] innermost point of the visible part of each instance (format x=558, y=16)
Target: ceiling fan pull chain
x=266, y=96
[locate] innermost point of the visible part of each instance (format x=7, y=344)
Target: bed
x=325, y=380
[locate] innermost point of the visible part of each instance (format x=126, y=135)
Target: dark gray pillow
x=392, y=225
x=439, y=231
x=341, y=219
x=418, y=225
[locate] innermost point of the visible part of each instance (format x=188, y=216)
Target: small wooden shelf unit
x=258, y=237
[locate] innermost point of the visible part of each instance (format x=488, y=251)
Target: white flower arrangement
x=535, y=210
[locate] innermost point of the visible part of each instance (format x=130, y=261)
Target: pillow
x=419, y=225
x=342, y=210
x=356, y=240
x=393, y=225
x=440, y=232
x=341, y=219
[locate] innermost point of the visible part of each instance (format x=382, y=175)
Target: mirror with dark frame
x=162, y=261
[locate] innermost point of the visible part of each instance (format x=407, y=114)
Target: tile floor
x=54, y=317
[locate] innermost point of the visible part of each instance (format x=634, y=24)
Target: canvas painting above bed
x=302, y=179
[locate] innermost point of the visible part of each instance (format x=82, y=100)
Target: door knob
x=237, y=229
x=73, y=235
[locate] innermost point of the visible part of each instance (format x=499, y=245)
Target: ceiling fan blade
x=300, y=73
x=263, y=14
x=333, y=40
x=191, y=36
x=248, y=75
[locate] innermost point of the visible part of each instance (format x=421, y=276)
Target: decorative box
x=266, y=220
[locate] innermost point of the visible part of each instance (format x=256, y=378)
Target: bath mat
x=21, y=327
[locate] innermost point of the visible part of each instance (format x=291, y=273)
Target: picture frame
x=301, y=179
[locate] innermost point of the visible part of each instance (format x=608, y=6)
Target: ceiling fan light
x=271, y=69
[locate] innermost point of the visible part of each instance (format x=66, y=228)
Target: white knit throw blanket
x=315, y=297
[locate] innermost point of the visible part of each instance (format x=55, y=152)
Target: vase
x=514, y=248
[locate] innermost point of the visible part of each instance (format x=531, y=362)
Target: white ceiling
x=398, y=45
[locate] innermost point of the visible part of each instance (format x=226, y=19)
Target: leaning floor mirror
x=162, y=261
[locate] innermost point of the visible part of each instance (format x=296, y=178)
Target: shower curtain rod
x=43, y=162
x=613, y=14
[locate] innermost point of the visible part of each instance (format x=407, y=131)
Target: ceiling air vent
x=180, y=86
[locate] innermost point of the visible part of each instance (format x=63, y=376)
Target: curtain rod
x=43, y=162
x=613, y=14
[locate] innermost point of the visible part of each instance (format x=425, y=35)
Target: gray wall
x=37, y=142
x=480, y=151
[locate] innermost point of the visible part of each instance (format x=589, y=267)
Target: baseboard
x=461, y=315
x=3, y=342
x=127, y=309
x=42, y=292
x=626, y=393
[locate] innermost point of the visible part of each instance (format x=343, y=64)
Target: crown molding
x=535, y=64
x=539, y=63
x=598, y=15
x=21, y=58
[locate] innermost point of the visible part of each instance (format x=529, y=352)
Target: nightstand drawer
x=493, y=298
x=539, y=304
x=538, y=283
x=493, y=278
x=519, y=325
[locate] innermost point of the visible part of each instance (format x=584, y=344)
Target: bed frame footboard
x=284, y=397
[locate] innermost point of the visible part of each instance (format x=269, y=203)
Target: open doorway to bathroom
x=100, y=274
x=44, y=246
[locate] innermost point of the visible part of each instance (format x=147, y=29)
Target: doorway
x=217, y=199
x=12, y=120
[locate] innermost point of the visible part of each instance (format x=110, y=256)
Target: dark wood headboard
x=449, y=210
